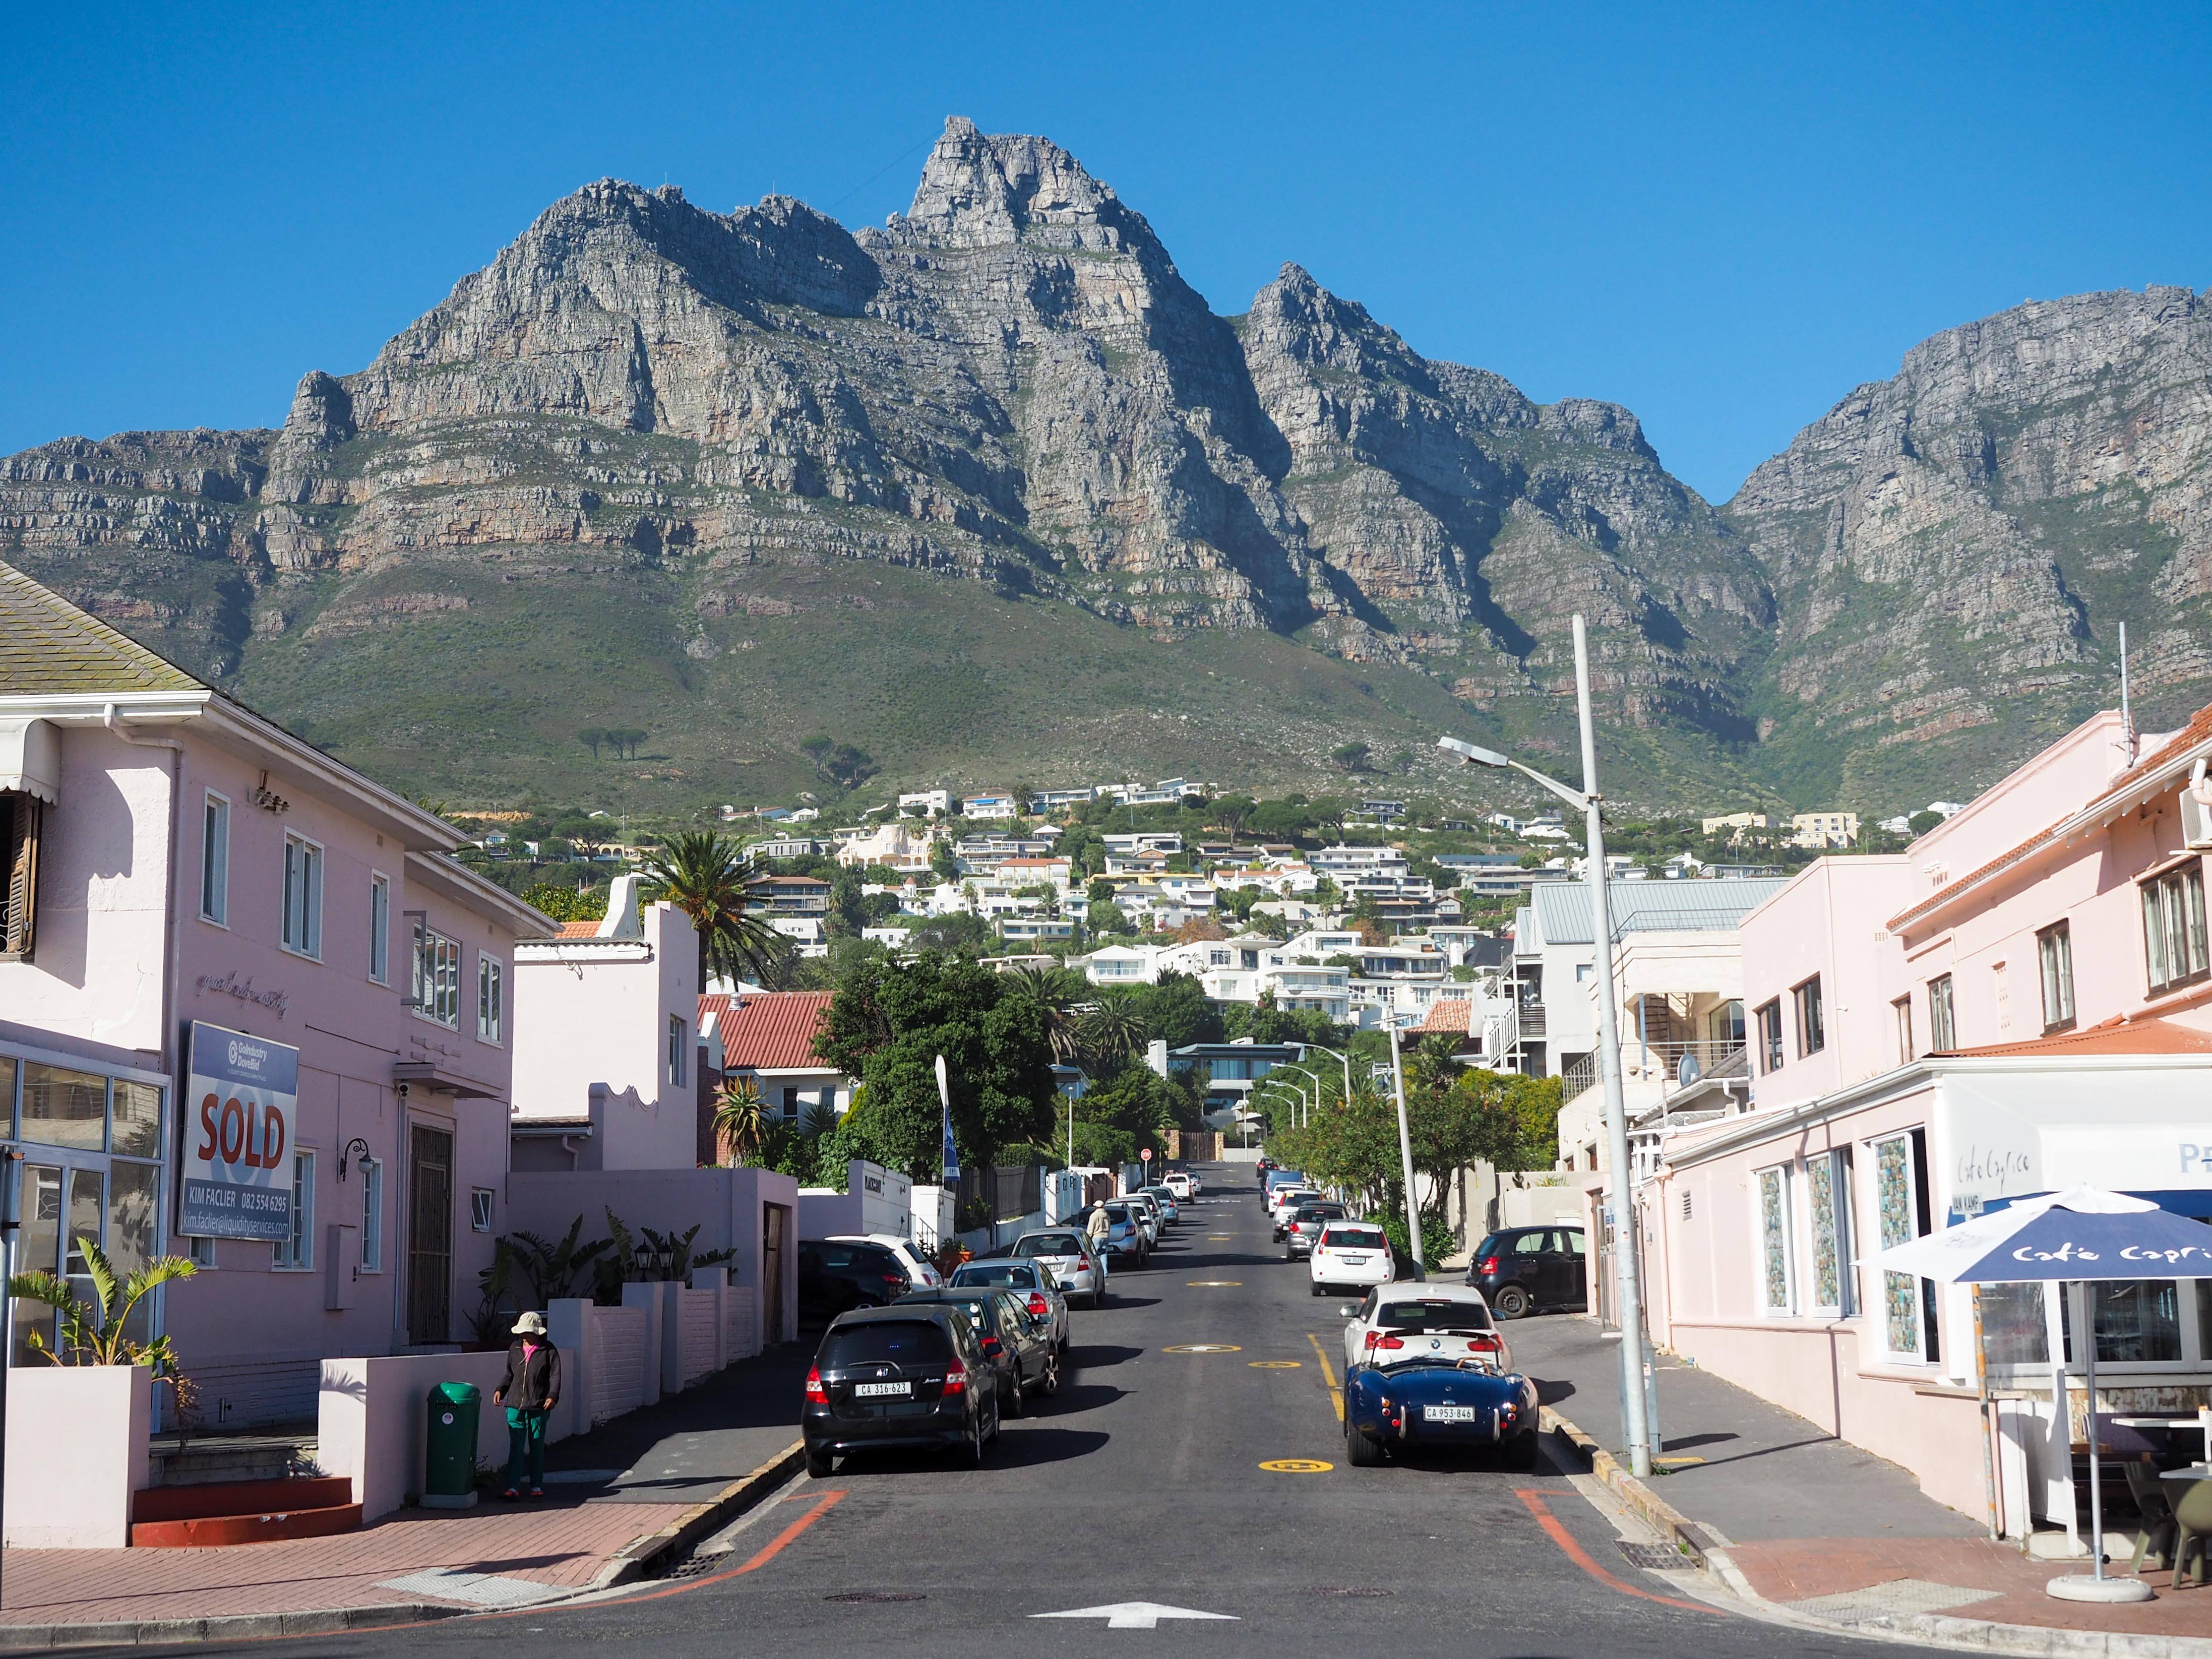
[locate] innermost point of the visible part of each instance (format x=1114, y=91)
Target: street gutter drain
x=877, y=1595
x=691, y=1566
x=1655, y=1558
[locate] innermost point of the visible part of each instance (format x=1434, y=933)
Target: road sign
x=1147, y=1156
x=1134, y=1615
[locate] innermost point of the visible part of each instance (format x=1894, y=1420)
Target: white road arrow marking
x=1134, y=1615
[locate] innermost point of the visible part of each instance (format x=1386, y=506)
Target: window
x=1942, y=1019
x=2173, y=927
x=303, y=896
x=1902, y=1010
x=214, y=860
x=20, y=817
x=677, y=1031
x=1828, y=1215
x=372, y=1215
x=1812, y=1026
x=297, y=1253
x=379, y=929
x=480, y=1209
x=1901, y=1215
x=1770, y=1036
x=437, y=978
x=2054, y=951
x=491, y=998
x=1775, y=1264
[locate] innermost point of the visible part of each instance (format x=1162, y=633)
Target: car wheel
x=819, y=1463
x=972, y=1453
x=1320, y=1289
x=1018, y=1400
x=1511, y=1302
x=1359, y=1451
x=1051, y=1375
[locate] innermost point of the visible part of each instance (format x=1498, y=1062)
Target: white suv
x=1351, y=1252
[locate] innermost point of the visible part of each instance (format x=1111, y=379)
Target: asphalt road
x=1143, y=1481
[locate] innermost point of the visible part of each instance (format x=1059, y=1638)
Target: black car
x=898, y=1376
x=837, y=1275
x=1522, y=1270
x=1015, y=1344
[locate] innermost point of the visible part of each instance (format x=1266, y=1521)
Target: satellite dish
x=1687, y=1070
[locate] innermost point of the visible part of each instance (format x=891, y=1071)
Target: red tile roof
x=773, y=1029
x=578, y=930
x=1447, y=1014
x=2113, y=1037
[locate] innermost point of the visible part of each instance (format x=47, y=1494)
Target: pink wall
x=1828, y=921
x=76, y=1451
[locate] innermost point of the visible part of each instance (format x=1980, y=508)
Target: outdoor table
x=2202, y=1420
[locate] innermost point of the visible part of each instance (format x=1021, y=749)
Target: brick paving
x=1798, y=1569
x=557, y=1541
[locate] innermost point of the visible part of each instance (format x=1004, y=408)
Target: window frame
x=380, y=928
x=1943, y=1015
x=680, y=1031
x=429, y=989
x=491, y=999
x=1836, y=1164
x=1924, y=1296
x=372, y=1214
x=309, y=943
x=1804, y=996
x=215, y=872
x=296, y=1255
x=2054, y=964
x=1768, y=1018
x=1782, y=1233
x=482, y=1212
x=2186, y=882
x=1902, y=1008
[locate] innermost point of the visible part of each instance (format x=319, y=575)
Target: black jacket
x=530, y=1383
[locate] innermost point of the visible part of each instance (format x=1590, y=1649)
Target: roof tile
x=773, y=1030
x=49, y=645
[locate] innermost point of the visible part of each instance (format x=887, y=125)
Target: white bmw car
x=1407, y=1322
x=1351, y=1252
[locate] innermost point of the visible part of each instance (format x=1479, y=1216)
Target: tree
x=565, y=903
x=704, y=875
x=818, y=749
x=848, y=767
x=624, y=739
x=1114, y=1029
x=1922, y=822
x=1231, y=812
x=943, y=862
x=887, y=1025
x=1199, y=929
x=1055, y=992
x=1351, y=756
x=961, y=933
x=1177, y=1009
x=592, y=737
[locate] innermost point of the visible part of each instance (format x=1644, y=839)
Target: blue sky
x=1722, y=217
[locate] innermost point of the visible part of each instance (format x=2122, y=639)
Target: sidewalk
x=1787, y=1514
x=610, y=1494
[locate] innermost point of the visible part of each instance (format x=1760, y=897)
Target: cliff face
x=1011, y=386
x=1953, y=550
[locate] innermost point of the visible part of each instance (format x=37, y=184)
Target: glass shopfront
x=91, y=1147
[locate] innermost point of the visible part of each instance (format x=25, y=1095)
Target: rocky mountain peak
x=1297, y=317
x=980, y=190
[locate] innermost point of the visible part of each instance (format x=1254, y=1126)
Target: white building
x=927, y=803
x=986, y=809
x=896, y=844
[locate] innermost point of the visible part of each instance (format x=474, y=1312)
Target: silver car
x=1079, y=1269
x=1125, y=1232
x=1149, y=1215
x=1032, y=1281
x=1160, y=1195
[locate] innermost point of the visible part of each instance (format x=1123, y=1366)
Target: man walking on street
x=1101, y=1227
x=530, y=1390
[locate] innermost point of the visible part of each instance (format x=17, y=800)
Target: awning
x=2144, y=1128
x=30, y=760
x=428, y=1074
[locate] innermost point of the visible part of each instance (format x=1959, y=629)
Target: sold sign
x=244, y=1092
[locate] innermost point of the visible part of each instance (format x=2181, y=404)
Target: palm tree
x=96, y=1332
x=1049, y=992
x=1114, y=1028
x=740, y=1119
x=703, y=875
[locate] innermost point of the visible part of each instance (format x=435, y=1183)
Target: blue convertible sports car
x=1437, y=1403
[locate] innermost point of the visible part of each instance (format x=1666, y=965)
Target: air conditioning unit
x=2196, y=815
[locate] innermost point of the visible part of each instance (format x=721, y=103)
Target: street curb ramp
x=1707, y=1548
x=635, y=1561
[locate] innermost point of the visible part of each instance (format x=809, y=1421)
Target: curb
x=635, y=1561
x=1708, y=1548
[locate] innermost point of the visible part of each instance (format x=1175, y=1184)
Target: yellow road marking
x=1273, y=1365
x=1678, y=1459
x=1296, y=1466
x=1211, y=1236
x=1204, y=1347
x=1335, y=1394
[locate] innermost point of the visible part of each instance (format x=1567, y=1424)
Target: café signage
x=241, y=1097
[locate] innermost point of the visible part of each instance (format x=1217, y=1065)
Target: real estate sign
x=241, y=1095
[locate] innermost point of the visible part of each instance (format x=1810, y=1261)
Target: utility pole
x=1405, y=1150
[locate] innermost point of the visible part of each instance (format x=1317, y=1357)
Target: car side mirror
x=1349, y=1311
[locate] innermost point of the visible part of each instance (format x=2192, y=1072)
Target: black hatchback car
x=1522, y=1270
x=1017, y=1346
x=837, y=1275
x=898, y=1376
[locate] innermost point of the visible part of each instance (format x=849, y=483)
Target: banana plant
x=96, y=1332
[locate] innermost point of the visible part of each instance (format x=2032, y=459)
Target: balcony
x=1643, y=1064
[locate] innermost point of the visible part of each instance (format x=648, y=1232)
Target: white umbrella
x=2083, y=1235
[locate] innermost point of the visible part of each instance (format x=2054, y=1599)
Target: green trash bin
x=449, y=1473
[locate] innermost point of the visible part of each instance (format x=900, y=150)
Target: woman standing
x=530, y=1390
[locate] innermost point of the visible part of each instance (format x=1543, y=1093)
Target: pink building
x=2020, y=1002
x=251, y=1011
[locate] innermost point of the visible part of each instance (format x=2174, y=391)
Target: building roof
x=2113, y=1037
x=773, y=1031
x=1562, y=908
x=1449, y=1016
x=49, y=645
x=577, y=930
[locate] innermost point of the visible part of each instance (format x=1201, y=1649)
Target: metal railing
x=1661, y=1062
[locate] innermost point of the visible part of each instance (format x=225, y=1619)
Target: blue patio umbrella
x=2081, y=1235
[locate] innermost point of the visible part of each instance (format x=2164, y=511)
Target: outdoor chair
x=2192, y=1515
x=2155, y=1540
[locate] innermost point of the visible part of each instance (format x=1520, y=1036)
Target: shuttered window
x=20, y=817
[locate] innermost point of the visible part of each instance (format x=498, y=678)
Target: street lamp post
x=1406, y=1149
x=1332, y=1055
x=1617, y=1198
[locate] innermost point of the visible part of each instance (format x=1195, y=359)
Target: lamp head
x=1473, y=756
